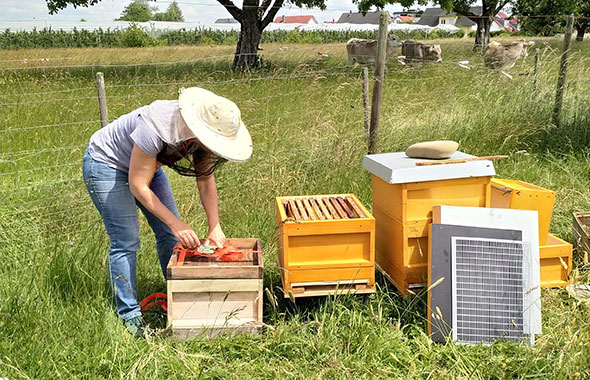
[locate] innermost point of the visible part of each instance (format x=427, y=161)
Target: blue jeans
x=109, y=190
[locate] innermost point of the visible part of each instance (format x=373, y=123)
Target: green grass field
x=305, y=115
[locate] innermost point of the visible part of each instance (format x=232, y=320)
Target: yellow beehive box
x=556, y=262
x=404, y=192
x=403, y=213
x=326, y=245
x=520, y=195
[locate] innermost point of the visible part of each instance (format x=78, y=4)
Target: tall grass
x=305, y=116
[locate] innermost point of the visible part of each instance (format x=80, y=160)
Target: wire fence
x=48, y=114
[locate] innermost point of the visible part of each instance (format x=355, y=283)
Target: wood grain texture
x=214, y=285
x=345, y=207
x=458, y=161
x=324, y=209
x=309, y=209
x=353, y=204
x=301, y=208
x=317, y=209
x=317, y=291
x=338, y=208
x=198, y=267
x=294, y=210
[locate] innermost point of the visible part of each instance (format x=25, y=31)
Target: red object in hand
x=229, y=253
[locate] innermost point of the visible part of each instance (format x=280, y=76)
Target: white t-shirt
x=112, y=145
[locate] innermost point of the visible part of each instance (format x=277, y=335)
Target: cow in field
x=414, y=51
x=365, y=51
x=504, y=56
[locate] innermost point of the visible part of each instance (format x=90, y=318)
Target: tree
x=173, y=13
x=550, y=24
x=489, y=9
x=583, y=22
x=137, y=11
x=254, y=17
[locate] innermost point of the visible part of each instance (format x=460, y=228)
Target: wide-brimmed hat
x=216, y=122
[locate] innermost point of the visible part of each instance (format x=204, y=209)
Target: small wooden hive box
x=326, y=245
x=209, y=296
x=582, y=235
x=403, y=197
x=555, y=254
x=556, y=262
x=520, y=195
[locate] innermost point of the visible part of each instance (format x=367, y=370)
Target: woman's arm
x=141, y=172
x=208, y=194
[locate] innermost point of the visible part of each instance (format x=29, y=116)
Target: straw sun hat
x=216, y=122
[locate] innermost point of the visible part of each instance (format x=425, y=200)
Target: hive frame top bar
x=357, y=203
x=395, y=168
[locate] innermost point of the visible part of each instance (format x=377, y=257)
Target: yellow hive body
x=520, y=195
x=403, y=213
x=325, y=256
x=555, y=254
x=556, y=262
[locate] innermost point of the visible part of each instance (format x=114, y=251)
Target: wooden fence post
x=378, y=84
x=366, y=108
x=561, y=79
x=102, y=99
x=536, y=74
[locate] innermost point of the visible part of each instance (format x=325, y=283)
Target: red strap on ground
x=153, y=300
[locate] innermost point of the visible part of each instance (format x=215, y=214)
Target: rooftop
x=295, y=19
x=358, y=18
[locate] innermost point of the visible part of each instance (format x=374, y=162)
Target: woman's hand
x=185, y=234
x=216, y=237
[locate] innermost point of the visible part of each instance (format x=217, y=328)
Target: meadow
x=305, y=114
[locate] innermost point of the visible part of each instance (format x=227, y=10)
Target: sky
x=193, y=10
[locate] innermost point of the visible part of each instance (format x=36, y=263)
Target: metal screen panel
x=487, y=290
x=440, y=314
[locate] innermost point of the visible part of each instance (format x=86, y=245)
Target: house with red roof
x=438, y=16
x=398, y=19
x=295, y=20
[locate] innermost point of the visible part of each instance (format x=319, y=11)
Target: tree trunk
x=246, y=56
x=581, y=30
x=482, y=36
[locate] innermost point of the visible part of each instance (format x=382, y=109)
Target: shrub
x=500, y=33
x=134, y=36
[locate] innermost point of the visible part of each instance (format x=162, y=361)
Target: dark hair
x=190, y=158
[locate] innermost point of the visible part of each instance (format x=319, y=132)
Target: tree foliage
x=551, y=9
x=137, y=11
x=55, y=6
x=462, y=7
x=544, y=26
x=173, y=13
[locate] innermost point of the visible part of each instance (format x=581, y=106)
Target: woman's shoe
x=136, y=326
